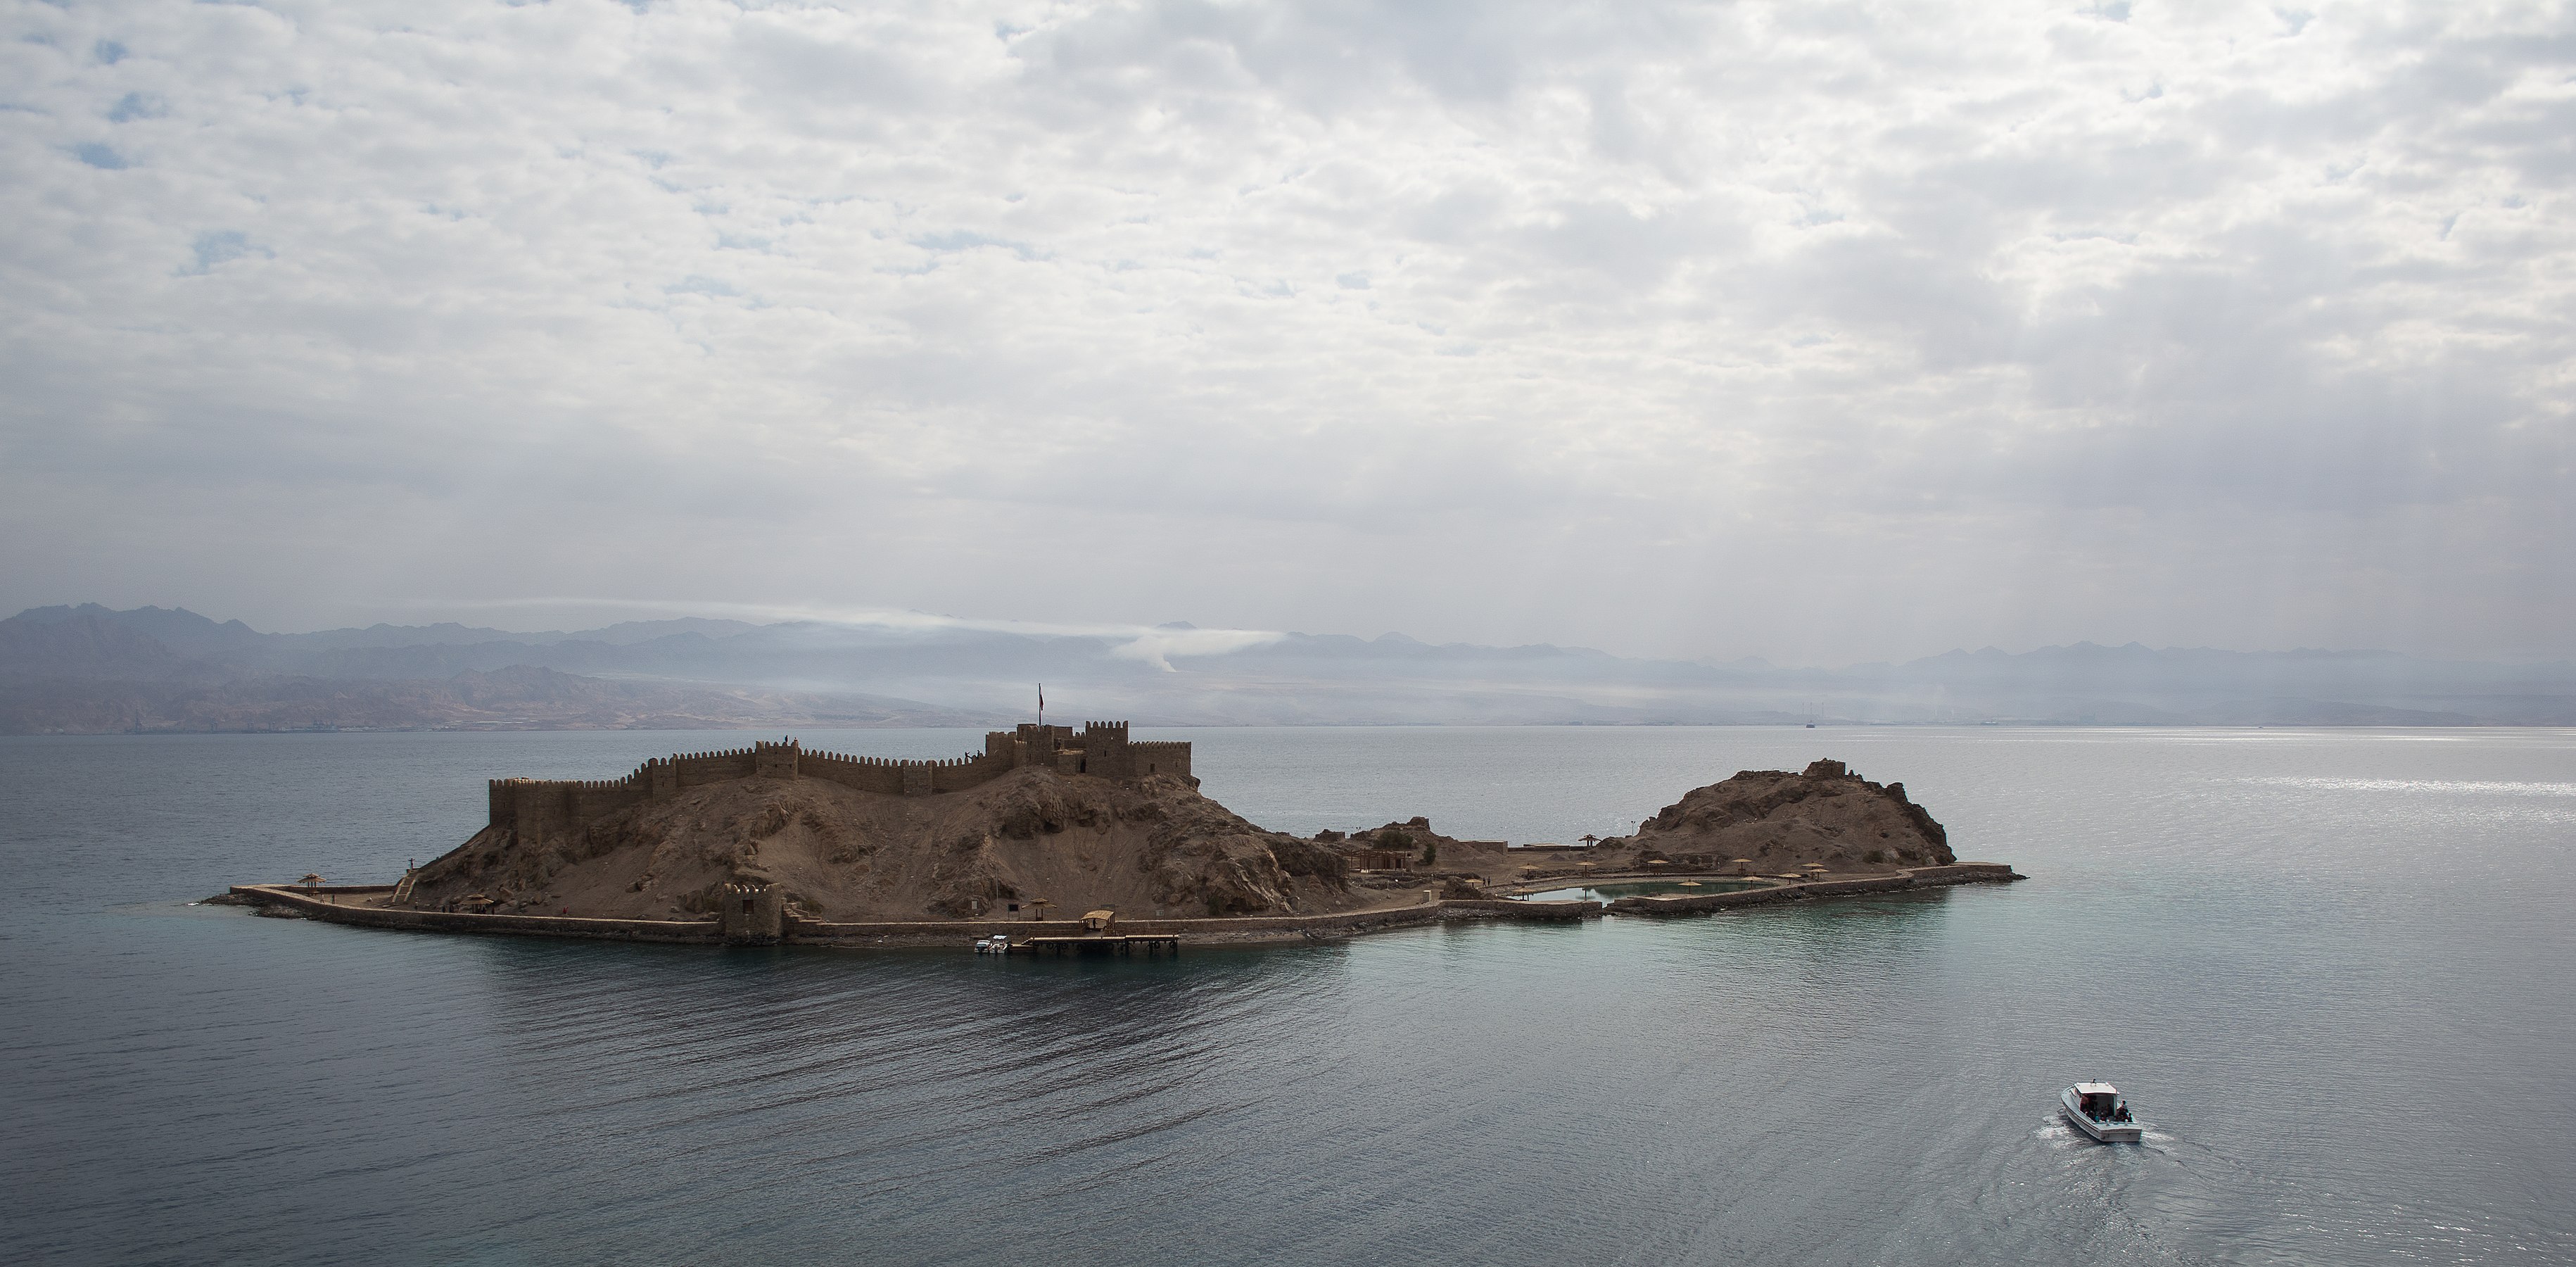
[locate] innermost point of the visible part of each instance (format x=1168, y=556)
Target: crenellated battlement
x=1101, y=749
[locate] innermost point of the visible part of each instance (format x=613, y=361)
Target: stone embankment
x=359, y=905
x=1911, y=878
x=362, y=906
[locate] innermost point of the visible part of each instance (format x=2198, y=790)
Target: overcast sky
x=1814, y=331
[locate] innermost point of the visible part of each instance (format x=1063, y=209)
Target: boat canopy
x=2096, y=1088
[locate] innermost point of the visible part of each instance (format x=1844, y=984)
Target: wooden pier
x=1111, y=944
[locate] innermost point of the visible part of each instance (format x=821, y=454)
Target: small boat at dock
x=2099, y=1110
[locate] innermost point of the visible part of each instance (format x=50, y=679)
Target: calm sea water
x=2333, y=969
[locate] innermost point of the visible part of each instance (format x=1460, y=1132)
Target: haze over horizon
x=1144, y=642
x=1824, y=335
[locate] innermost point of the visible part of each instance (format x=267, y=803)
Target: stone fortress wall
x=542, y=807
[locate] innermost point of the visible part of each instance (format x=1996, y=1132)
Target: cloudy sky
x=1815, y=331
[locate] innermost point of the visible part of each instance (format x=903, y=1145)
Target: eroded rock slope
x=1778, y=820
x=1153, y=847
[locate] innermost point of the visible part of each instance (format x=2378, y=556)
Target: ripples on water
x=2330, y=967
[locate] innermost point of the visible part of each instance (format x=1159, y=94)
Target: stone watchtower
x=1104, y=750
x=775, y=760
x=754, y=914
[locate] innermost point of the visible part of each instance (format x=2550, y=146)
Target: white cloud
x=1805, y=330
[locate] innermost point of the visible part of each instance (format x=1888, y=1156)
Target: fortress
x=542, y=807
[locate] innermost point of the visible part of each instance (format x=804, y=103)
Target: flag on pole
x=1041, y=701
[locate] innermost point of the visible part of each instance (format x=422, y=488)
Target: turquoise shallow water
x=2332, y=969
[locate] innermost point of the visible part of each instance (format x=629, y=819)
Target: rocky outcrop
x=1777, y=820
x=1774, y=820
x=1152, y=847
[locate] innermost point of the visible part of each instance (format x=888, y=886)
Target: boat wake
x=2056, y=1132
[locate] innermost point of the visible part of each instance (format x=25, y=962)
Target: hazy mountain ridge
x=89, y=668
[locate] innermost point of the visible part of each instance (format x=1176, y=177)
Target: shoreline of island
x=775, y=843
x=351, y=905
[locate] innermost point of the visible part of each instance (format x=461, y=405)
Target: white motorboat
x=995, y=945
x=2099, y=1110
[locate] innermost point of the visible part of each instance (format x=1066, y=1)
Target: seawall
x=322, y=904
x=316, y=904
x=1911, y=878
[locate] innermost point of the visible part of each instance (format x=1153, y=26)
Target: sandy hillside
x=1155, y=847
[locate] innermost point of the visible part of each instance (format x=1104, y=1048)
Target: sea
x=2335, y=971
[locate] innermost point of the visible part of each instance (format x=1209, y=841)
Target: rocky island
x=774, y=842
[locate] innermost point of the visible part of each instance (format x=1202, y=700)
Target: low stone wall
x=1505, y=908
x=828, y=932
x=1914, y=878
x=816, y=930
x=704, y=931
x=317, y=904
x=804, y=931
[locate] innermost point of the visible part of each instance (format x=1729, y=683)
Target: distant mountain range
x=88, y=669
